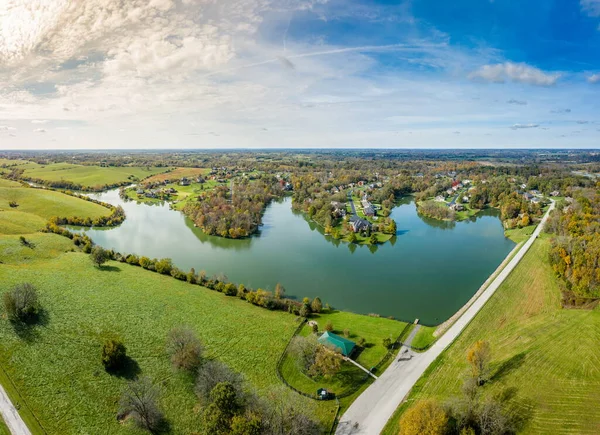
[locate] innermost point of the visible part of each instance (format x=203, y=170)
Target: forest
x=575, y=253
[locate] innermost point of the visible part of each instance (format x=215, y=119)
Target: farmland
x=543, y=356
x=88, y=177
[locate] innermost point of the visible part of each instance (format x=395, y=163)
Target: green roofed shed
x=344, y=346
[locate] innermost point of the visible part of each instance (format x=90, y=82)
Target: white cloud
x=516, y=72
x=517, y=102
x=39, y=121
x=6, y=128
x=39, y=130
x=594, y=78
x=520, y=126
x=591, y=7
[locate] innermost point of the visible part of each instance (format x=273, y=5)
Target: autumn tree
x=479, y=356
x=185, y=349
x=279, y=291
x=329, y=326
x=140, y=401
x=316, y=305
x=327, y=362
x=426, y=417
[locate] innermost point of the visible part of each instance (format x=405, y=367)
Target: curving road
x=371, y=411
x=11, y=416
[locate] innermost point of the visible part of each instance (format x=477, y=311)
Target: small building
x=555, y=193
x=339, y=344
x=440, y=198
x=184, y=182
x=369, y=211
x=527, y=196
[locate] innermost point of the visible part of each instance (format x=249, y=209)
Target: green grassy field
x=8, y=183
x=46, y=204
x=179, y=173
x=424, y=337
x=544, y=356
x=88, y=176
x=3, y=428
x=519, y=235
x=58, y=363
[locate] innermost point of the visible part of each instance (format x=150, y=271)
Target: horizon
x=302, y=74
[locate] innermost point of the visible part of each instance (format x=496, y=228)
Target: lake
x=428, y=270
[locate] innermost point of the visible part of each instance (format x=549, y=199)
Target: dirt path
x=371, y=411
x=11, y=416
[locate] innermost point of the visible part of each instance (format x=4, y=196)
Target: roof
x=342, y=344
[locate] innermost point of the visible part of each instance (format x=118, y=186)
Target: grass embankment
x=545, y=357
x=3, y=428
x=88, y=176
x=178, y=173
x=36, y=206
x=519, y=235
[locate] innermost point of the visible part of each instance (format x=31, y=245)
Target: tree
x=479, y=356
x=329, y=326
x=114, y=354
x=140, y=401
x=217, y=417
x=387, y=342
x=424, y=418
x=304, y=351
x=164, y=266
x=184, y=348
x=327, y=362
x=315, y=328
x=246, y=425
x=352, y=238
x=316, y=305
x=304, y=311
x=346, y=333
x=21, y=303
x=99, y=256
x=279, y=291
x=373, y=239
x=210, y=374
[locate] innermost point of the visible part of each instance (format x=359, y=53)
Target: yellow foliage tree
x=479, y=356
x=425, y=418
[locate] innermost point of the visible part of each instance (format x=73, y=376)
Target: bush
x=425, y=416
x=316, y=305
x=140, y=401
x=164, y=266
x=346, y=333
x=114, y=354
x=21, y=303
x=329, y=326
x=184, y=348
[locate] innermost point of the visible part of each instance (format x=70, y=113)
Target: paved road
x=11, y=416
x=371, y=411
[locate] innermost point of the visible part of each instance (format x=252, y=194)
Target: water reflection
x=430, y=274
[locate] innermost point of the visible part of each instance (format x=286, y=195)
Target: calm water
x=429, y=270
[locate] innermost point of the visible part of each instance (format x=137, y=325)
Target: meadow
x=545, y=358
x=177, y=174
x=88, y=176
x=3, y=428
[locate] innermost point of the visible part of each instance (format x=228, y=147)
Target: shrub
x=212, y=373
x=425, y=417
x=184, y=348
x=304, y=311
x=346, y=333
x=387, y=342
x=164, y=266
x=21, y=303
x=230, y=289
x=315, y=328
x=361, y=341
x=114, y=354
x=140, y=401
x=329, y=326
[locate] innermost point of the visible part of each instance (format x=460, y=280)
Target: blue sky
x=299, y=73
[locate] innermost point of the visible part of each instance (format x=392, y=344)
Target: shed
x=341, y=344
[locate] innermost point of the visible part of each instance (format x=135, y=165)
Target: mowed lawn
x=46, y=204
x=3, y=428
x=57, y=367
x=544, y=356
x=88, y=176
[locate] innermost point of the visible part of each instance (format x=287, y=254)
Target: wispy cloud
x=40, y=130
x=516, y=72
x=39, y=121
x=517, y=102
x=594, y=79
x=521, y=126
x=591, y=7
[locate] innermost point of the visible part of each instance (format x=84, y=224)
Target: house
x=523, y=186
x=535, y=192
x=339, y=344
x=527, y=196
x=535, y=200
x=555, y=193
x=449, y=191
x=465, y=198
x=369, y=210
x=184, y=182
x=439, y=198
x=359, y=224
x=457, y=207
